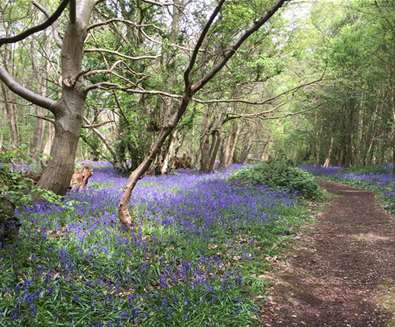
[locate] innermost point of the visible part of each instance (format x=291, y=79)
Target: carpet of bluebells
x=195, y=259
x=379, y=179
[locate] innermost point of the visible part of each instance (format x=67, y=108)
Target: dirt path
x=342, y=272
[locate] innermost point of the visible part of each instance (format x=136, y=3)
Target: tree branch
x=155, y=3
x=230, y=52
x=25, y=93
x=291, y=113
x=119, y=54
x=102, y=138
x=192, y=61
x=120, y=20
x=55, y=35
x=73, y=12
x=251, y=115
x=44, y=118
x=115, y=86
x=37, y=28
x=98, y=124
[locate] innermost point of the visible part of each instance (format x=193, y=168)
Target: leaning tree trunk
x=189, y=90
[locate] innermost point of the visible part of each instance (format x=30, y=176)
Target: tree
x=190, y=88
x=68, y=110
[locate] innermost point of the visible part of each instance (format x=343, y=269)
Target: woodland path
x=341, y=272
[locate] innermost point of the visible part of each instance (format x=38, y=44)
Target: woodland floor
x=342, y=271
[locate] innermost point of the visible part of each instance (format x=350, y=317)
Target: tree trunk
x=37, y=142
x=57, y=175
x=327, y=162
x=393, y=143
x=230, y=152
x=175, y=144
x=9, y=103
x=205, y=152
x=48, y=144
x=69, y=112
x=216, y=142
x=242, y=158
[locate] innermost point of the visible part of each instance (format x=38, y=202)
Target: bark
x=205, y=142
x=57, y=174
x=205, y=152
x=36, y=145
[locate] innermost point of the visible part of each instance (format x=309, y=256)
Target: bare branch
x=160, y=4
x=44, y=118
x=291, y=113
x=251, y=115
x=102, y=71
x=119, y=54
x=37, y=28
x=101, y=137
x=263, y=102
x=25, y=93
x=55, y=34
x=149, y=38
x=214, y=14
x=98, y=124
x=114, y=86
x=230, y=52
x=120, y=20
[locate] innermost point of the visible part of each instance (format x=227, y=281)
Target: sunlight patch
x=370, y=237
x=386, y=299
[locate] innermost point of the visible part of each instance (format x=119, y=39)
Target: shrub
x=15, y=187
x=280, y=174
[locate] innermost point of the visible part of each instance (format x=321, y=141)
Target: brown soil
x=339, y=273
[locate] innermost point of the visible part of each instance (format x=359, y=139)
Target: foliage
x=15, y=187
x=280, y=174
x=354, y=46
